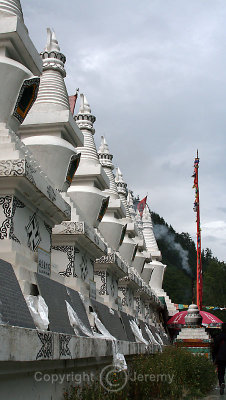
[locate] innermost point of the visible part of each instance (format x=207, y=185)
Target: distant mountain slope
x=179, y=254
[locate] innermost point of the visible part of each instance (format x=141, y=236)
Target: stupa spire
x=104, y=149
x=85, y=121
x=12, y=7
x=122, y=190
x=119, y=177
x=52, y=86
x=148, y=233
x=105, y=159
x=84, y=105
x=52, y=42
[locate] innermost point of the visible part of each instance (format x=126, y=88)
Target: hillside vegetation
x=179, y=254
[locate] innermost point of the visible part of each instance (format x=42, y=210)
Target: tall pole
x=197, y=211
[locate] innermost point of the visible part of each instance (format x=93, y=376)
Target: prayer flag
x=141, y=205
x=72, y=102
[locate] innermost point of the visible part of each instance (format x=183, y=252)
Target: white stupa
x=128, y=246
x=52, y=89
x=141, y=255
x=112, y=226
x=193, y=335
x=50, y=127
x=105, y=158
x=147, y=269
x=87, y=189
x=158, y=268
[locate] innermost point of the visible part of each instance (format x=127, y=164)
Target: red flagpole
x=199, y=254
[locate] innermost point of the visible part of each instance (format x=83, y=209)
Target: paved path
x=215, y=394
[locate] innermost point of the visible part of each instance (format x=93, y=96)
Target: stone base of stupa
x=195, y=340
x=193, y=336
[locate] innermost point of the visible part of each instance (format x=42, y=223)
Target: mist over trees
x=179, y=254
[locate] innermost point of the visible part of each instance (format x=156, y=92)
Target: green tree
x=178, y=283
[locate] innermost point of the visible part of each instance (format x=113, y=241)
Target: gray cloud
x=154, y=74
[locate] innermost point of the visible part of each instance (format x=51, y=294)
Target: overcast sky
x=154, y=72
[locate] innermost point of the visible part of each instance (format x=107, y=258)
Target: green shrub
x=173, y=374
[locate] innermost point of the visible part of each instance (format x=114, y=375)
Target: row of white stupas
x=63, y=212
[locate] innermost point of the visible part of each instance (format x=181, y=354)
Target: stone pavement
x=215, y=394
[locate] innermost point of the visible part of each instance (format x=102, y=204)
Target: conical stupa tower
x=140, y=255
x=149, y=234
x=112, y=225
x=147, y=268
x=50, y=126
x=122, y=190
x=85, y=121
x=90, y=182
x=128, y=246
x=52, y=89
x=105, y=159
x=158, y=268
x=158, y=271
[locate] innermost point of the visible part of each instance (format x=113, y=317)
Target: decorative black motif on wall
x=16, y=204
x=70, y=252
x=12, y=167
x=63, y=346
x=73, y=227
x=46, y=350
x=108, y=259
x=103, y=278
x=124, y=291
x=6, y=203
x=33, y=233
x=26, y=98
x=84, y=267
x=51, y=193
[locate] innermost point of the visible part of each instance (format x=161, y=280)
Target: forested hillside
x=179, y=254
